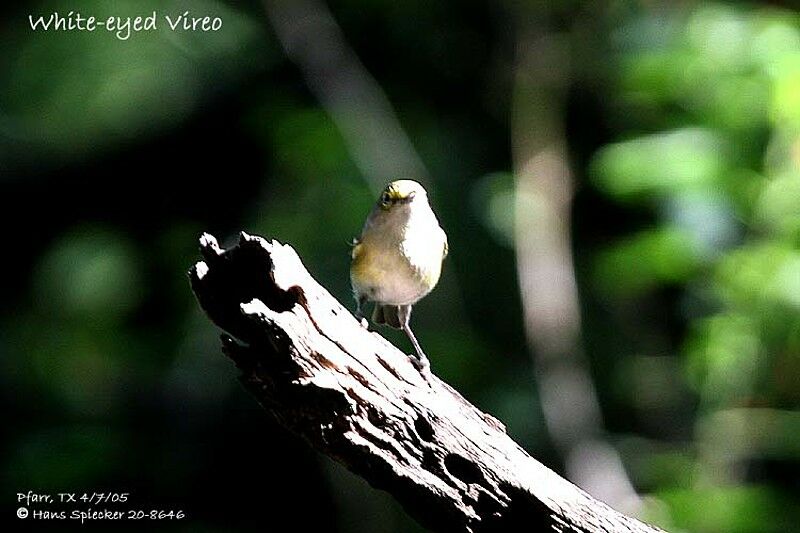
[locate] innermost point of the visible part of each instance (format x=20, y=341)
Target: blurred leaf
x=734, y=435
x=760, y=275
x=309, y=145
x=65, y=458
x=92, y=273
x=692, y=158
x=786, y=92
x=493, y=199
x=645, y=260
x=722, y=356
x=749, y=509
x=775, y=35
x=81, y=91
x=721, y=34
x=74, y=367
x=778, y=203
x=659, y=467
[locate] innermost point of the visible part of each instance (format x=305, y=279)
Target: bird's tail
x=387, y=314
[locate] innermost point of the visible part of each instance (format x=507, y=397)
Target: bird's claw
x=421, y=364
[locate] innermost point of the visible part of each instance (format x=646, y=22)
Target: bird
x=397, y=259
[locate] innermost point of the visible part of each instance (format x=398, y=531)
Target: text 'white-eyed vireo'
x=398, y=257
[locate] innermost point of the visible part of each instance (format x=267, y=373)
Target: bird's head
x=401, y=192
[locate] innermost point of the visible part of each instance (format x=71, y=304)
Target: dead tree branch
x=358, y=399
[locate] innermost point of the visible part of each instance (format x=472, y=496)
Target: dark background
x=679, y=124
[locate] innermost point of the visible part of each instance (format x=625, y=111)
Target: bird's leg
x=361, y=301
x=404, y=315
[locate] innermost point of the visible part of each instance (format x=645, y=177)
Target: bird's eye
x=386, y=199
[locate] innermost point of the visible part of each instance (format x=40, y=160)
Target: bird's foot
x=421, y=364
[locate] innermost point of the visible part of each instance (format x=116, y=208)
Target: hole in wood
x=424, y=429
x=463, y=469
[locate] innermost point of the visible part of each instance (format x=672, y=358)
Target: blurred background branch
x=544, y=187
x=313, y=40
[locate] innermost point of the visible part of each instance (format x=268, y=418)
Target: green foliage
x=73, y=93
x=89, y=273
x=717, y=89
x=730, y=509
x=646, y=260
x=65, y=456
x=658, y=165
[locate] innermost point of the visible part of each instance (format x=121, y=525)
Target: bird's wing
x=357, y=248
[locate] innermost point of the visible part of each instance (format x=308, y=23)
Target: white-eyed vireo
x=398, y=257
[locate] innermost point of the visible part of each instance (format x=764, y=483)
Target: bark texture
x=360, y=400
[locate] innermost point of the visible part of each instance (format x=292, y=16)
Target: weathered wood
x=360, y=400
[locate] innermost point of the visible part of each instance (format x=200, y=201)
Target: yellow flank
x=362, y=269
x=390, y=276
x=372, y=265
